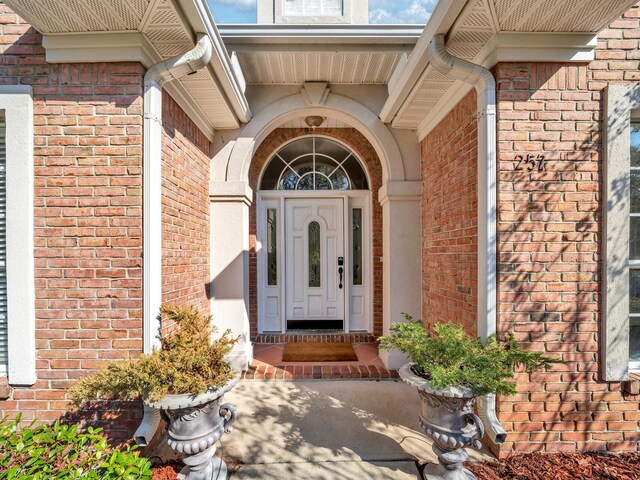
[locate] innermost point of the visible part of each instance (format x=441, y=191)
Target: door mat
x=319, y=352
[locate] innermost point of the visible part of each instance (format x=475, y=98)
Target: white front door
x=315, y=271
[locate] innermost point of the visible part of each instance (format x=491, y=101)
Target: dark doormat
x=319, y=352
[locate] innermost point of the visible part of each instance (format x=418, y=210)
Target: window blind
x=3, y=246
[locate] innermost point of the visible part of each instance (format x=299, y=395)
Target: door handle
x=340, y=270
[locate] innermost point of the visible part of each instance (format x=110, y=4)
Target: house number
x=531, y=161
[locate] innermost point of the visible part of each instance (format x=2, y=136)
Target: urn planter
x=447, y=418
x=196, y=423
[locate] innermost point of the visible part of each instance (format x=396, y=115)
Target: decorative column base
x=215, y=469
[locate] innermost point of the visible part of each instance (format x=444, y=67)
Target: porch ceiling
x=536, y=30
x=343, y=54
x=165, y=30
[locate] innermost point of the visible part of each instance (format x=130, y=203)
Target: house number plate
x=530, y=162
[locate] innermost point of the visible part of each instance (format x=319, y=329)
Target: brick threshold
x=313, y=337
x=318, y=372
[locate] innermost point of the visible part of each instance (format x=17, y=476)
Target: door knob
x=340, y=270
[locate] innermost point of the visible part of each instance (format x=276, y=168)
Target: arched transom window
x=314, y=163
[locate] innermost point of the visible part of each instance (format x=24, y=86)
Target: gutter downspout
x=159, y=74
x=485, y=86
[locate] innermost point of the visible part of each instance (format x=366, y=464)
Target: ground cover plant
x=189, y=361
x=449, y=357
x=57, y=452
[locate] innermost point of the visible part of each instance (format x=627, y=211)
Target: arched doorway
x=314, y=238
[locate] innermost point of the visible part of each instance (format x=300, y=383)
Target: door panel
x=307, y=296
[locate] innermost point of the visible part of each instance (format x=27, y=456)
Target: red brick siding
x=359, y=144
x=185, y=209
x=449, y=219
x=88, y=217
x=549, y=250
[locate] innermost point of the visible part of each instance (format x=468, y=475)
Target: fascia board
x=228, y=78
x=323, y=34
x=442, y=18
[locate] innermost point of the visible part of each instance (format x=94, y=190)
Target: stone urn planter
x=196, y=423
x=447, y=418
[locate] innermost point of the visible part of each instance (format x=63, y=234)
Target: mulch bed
x=168, y=470
x=561, y=466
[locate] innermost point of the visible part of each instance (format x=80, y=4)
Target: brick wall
x=359, y=144
x=449, y=219
x=88, y=157
x=185, y=209
x=549, y=231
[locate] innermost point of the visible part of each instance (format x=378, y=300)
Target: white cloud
x=401, y=11
x=239, y=4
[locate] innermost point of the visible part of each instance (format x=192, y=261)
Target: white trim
x=17, y=102
x=99, y=47
x=337, y=106
x=314, y=34
x=275, y=199
x=619, y=101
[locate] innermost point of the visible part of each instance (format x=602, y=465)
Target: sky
x=380, y=11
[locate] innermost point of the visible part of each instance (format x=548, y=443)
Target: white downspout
x=159, y=74
x=485, y=86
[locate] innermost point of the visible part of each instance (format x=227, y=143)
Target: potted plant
x=450, y=369
x=185, y=379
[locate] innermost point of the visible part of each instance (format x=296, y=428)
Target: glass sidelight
x=314, y=254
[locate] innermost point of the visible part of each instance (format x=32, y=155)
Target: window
x=4, y=326
x=314, y=163
x=272, y=247
x=356, y=236
x=620, y=329
x=16, y=105
x=314, y=254
x=312, y=7
x=634, y=247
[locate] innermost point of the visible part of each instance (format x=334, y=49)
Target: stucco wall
x=449, y=219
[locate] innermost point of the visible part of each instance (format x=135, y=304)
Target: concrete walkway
x=327, y=430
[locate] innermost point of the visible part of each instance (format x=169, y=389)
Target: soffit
x=336, y=54
x=476, y=34
x=333, y=67
x=161, y=22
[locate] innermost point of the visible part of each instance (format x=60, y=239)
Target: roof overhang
x=487, y=32
x=146, y=31
x=338, y=54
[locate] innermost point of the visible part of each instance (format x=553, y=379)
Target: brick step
x=314, y=337
x=319, y=372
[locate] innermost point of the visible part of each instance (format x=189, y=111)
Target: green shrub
x=451, y=357
x=60, y=452
x=189, y=361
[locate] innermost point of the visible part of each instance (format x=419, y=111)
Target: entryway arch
x=330, y=106
x=233, y=195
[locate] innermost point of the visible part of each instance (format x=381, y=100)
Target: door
x=315, y=273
